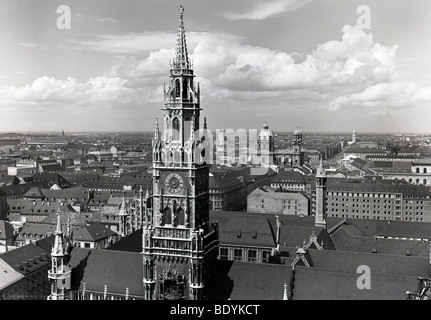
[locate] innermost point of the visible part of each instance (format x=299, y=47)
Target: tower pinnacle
x=320, y=171
x=181, y=60
x=156, y=131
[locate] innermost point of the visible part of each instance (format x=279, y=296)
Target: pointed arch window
x=180, y=217
x=187, y=125
x=167, y=216
x=185, y=89
x=175, y=129
x=177, y=88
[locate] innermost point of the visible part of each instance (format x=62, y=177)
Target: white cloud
x=130, y=43
x=338, y=75
x=81, y=16
x=49, y=90
x=263, y=10
x=386, y=96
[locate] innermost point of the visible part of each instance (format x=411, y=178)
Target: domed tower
x=298, y=148
x=265, y=141
x=180, y=245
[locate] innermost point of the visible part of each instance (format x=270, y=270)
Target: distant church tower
x=321, y=179
x=60, y=273
x=265, y=141
x=354, y=136
x=180, y=245
x=298, y=149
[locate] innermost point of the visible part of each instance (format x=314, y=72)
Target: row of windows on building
x=362, y=200
x=286, y=203
x=363, y=195
x=363, y=211
x=251, y=255
x=418, y=181
x=424, y=170
x=417, y=219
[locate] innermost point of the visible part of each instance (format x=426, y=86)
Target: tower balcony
x=179, y=71
x=60, y=274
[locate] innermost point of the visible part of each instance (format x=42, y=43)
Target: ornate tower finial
x=124, y=216
x=181, y=60
x=320, y=170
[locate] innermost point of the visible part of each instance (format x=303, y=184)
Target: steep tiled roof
x=346, y=241
x=43, y=208
x=51, y=178
x=248, y=281
x=76, y=218
x=8, y=275
x=75, y=194
x=79, y=177
x=296, y=236
x=379, y=264
x=289, y=176
x=116, y=269
x=318, y=284
x=6, y=230
x=225, y=179
x=130, y=243
x=26, y=259
x=21, y=189
x=93, y=232
x=35, y=192
x=247, y=230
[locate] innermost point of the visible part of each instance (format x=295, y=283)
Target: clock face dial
x=174, y=183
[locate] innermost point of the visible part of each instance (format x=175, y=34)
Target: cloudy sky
x=291, y=63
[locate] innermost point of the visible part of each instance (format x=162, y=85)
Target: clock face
x=174, y=183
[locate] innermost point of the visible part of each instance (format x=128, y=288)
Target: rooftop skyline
x=288, y=62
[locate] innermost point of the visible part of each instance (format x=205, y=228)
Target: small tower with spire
x=124, y=216
x=321, y=179
x=60, y=273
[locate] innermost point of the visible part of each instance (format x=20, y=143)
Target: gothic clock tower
x=180, y=244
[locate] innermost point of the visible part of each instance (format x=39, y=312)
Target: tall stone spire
x=320, y=171
x=59, y=249
x=181, y=60
x=60, y=273
x=124, y=216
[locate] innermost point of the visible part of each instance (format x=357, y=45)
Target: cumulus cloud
x=386, y=96
x=263, y=10
x=226, y=62
x=353, y=71
x=129, y=43
x=49, y=90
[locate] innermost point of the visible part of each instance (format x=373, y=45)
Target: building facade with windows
x=269, y=200
x=380, y=200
